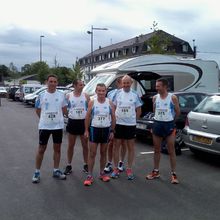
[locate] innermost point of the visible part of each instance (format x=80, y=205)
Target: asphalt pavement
x=196, y=197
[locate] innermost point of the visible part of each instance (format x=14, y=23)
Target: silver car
x=202, y=128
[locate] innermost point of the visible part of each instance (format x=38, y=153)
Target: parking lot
x=196, y=197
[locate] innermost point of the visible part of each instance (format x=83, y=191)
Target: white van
x=183, y=74
x=28, y=89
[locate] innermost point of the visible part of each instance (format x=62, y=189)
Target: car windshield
x=91, y=85
x=210, y=105
x=190, y=100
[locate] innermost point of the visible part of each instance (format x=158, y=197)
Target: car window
x=210, y=104
x=190, y=100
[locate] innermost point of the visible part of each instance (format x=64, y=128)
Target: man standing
x=99, y=126
x=108, y=168
x=77, y=107
x=128, y=109
x=50, y=107
x=166, y=109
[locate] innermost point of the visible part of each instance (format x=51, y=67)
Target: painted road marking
x=151, y=152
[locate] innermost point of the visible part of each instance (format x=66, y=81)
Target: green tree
x=26, y=70
x=4, y=72
x=64, y=75
x=159, y=43
x=78, y=74
x=41, y=69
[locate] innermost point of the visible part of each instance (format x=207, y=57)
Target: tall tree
x=78, y=74
x=41, y=69
x=65, y=75
x=26, y=69
x=4, y=72
x=159, y=43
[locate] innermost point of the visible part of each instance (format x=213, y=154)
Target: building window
x=113, y=55
x=125, y=51
x=185, y=48
x=116, y=53
x=100, y=58
x=109, y=55
x=134, y=49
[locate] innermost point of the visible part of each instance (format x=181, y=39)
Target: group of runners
x=107, y=121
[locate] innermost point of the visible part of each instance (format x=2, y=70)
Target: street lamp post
x=91, y=33
x=41, y=47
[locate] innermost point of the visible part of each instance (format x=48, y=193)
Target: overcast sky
x=64, y=25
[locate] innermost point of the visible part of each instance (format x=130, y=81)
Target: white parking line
x=185, y=149
x=151, y=152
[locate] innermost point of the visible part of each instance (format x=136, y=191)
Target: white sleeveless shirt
x=77, y=106
x=164, y=108
x=101, y=114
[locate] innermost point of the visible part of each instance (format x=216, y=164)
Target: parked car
x=202, y=130
x=17, y=95
x=28, y=89
x=3, y=91
x=11, y=91
x=30, y=98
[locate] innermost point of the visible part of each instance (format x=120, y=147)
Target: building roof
x=135, y=40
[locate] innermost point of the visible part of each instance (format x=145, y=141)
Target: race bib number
x=124, y=112
x=100, y=120
x=51, y=117
x=77, y=113
x=162, y=114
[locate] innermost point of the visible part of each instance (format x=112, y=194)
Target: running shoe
x=36, y=177
x=130, y=174
x=59, y=175
x=85, y=168
x=153, y=175
x=104, y=177
x=108, y=168
x=68, y=170
x=115, y=173
x=174, y=179
x=88, y=181
x=121, y=166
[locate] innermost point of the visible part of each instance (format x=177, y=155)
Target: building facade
x=136, y=46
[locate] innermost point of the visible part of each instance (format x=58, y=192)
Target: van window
x=91, y=85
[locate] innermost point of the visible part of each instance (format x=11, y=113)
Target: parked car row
x=28, y=93
x=3, y=91
x=30, y=98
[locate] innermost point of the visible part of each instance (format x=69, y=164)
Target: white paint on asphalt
x=151, y=152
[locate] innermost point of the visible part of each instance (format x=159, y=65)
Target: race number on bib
x=100, y=120
x=124, y=111
x=78, y=113
x=162, y=114
x=51, y=117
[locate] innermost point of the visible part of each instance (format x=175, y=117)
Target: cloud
x=65, y=23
